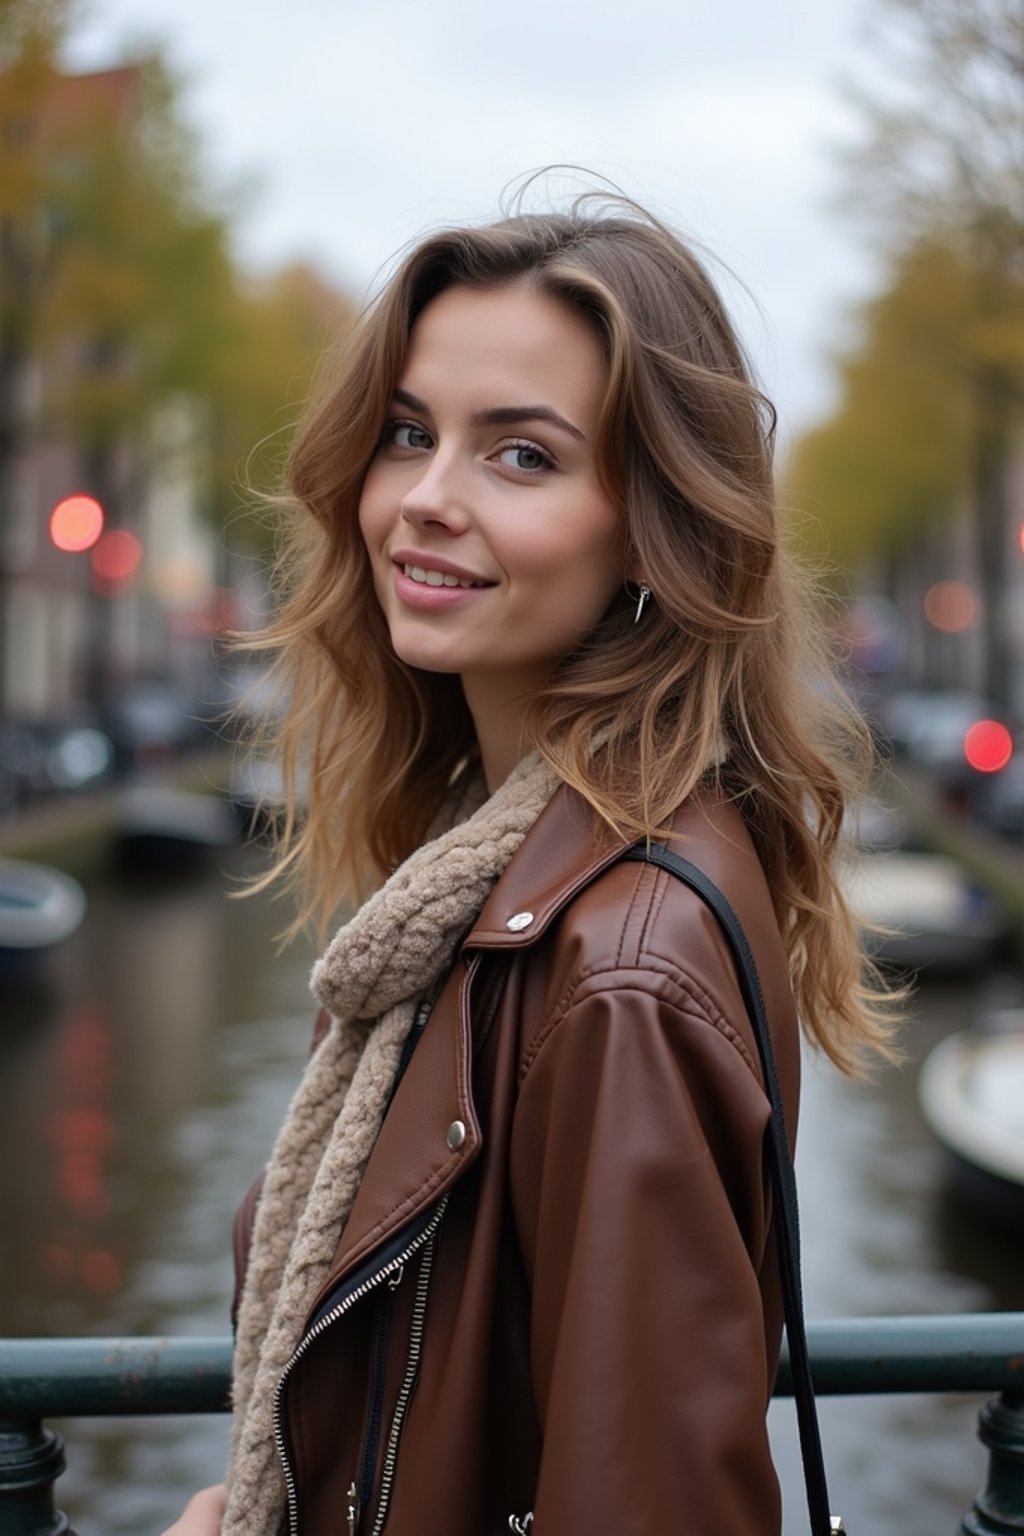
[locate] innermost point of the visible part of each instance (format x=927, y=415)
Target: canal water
x=142, y=1079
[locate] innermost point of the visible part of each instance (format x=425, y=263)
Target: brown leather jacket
x=556, y=1292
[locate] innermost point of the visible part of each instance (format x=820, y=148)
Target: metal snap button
x=519, y=920
x=456, y=1134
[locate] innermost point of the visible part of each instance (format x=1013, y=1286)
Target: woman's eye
x=525, y=457
x=405, y=434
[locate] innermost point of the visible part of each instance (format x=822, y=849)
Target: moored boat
x=156, y=827
x=971, y=1093
x=40, y=907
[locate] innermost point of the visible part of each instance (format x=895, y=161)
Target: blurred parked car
x=934, y=729
x=998, y=802
x=150, y=722
x=22, y=754
x=40, y=758
x=79, y=757
x=899, y=713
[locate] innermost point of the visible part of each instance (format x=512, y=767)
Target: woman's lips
x=423, y=561
x=417, y=594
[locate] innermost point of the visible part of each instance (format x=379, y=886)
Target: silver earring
x=641, y=604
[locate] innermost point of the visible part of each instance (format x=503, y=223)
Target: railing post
x=31, y=1460
x=999, y=1508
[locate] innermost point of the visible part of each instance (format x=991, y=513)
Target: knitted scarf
x=369, y=979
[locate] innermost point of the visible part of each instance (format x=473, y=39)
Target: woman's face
x=494, y=548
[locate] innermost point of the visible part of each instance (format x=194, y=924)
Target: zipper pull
x=352, y=1510
x=395, y=1280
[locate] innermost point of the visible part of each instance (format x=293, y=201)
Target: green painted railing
x=70, y=1378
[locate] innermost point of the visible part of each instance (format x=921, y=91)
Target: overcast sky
x=365, y=123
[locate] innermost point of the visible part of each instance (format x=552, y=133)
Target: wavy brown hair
x=729, y=653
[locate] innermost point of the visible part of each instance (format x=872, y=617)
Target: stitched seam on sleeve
x=704, y=1011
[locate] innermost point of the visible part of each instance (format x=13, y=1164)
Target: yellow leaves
x=279, y=330
x=899, y=450
x=999, y=340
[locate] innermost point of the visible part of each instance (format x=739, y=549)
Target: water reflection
x=139, y=1092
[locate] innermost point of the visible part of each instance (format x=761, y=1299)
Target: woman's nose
x=437, y=498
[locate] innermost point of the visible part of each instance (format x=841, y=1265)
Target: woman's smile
x=431, y=583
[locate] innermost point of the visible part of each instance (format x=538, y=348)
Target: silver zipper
x=352, y=1510
x=412, y=1366
x=315, y=1332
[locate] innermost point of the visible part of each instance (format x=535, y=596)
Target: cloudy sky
x=364, y=123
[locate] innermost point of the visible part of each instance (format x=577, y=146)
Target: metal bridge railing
x=71, y=1378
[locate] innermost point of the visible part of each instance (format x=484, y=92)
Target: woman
x=513, y=1263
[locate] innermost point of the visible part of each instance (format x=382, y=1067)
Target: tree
x=118, y=296
x=942, y=152
x=278, y=328
x=30, y=35
x=898, y=453
x=931, y=412
x=135, y=279
x=116, y=271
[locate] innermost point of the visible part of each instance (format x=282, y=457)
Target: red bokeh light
x=988, y=746
x=76, y=523
x=116, y=557
x=951, y=606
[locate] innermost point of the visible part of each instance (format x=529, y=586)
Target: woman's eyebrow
x=403, y=397
x=498, y=415
x=508, y=415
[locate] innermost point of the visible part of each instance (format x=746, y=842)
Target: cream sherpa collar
x=394, y=949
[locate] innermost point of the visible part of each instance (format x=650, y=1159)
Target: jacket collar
x=563, y=851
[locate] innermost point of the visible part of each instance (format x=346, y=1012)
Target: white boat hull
x=39, y=906
x=971, y=1093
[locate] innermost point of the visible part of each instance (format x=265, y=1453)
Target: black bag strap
x=783, y=1178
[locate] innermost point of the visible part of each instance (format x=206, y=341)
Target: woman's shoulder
x=586, y=921
x=620, y=956
x=637, y=919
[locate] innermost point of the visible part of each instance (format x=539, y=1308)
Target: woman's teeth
x=438, y=578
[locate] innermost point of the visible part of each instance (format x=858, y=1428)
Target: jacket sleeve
x=641, y=1207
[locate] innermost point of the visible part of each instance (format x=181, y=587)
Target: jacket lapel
x=564, y=850
x=431, y=1132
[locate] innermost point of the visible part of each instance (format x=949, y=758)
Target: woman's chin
x=425, y=659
